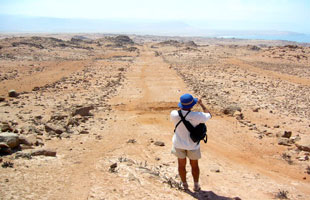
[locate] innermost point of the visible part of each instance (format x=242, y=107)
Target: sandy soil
x=114, y=153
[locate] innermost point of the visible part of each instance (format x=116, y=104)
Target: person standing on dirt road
x=183, y=146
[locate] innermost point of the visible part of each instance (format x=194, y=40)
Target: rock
x=113, y=167
x=215, y=170
x=284, y=141
x=6, y=127
x=23, y=155
x=65, y=135
x=50, y=128
x=256, y=109
x=2, y=99
x=28, y=140
x=58, y=117
x=11, y=139
x=84, y=132
x=43, y=152
x=159, y=143
x=13, y=93
x=304, y=143
x=3, y=145
x=83, y=111
x=36, y=89
x=231, y=110
x=131, y=141
x=74, y=121
x=303, y=158
x=4, y=148
x=239, y=116
x=287, y=134
x=24, y=147
x=7, y=164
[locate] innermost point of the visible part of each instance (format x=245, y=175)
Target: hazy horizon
x=197, y=17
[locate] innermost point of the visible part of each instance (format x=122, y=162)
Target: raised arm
x=205, y=110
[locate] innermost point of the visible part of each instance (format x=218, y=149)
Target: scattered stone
x=256, y=109
x=304, y=143
x=65, y=135
x=159, y=143
x=308, y=170
x=13, y=93
x=287, y=134
x=83, y=111
x=231, y=110
x=239, y=116
x=33, y=130
x=2, y=99
x=58, y=117
x=303, y=158
x=131, y=141
x=28, y=140
x=276, y=126
x=282, y=194
x=24, y=147
x=74, y=121
x=215, y=170
x=173, y=183
x=50, y=128
x=36, y=89
x=6, y=127
x=10, y=139
x=43, y=152
x=113, y=167
x=284, y=141
x=7, y=164
x=23, y=155
x=84, y=132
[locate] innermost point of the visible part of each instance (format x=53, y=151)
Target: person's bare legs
x=195, y=173
x=182, y=169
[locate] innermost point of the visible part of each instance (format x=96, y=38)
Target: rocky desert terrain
x=86, y=116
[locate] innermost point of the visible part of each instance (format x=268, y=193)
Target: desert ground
x=86, y=116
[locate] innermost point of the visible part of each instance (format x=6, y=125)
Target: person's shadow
x=209, y=195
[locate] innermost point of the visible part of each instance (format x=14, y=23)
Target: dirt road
x=130, y=158
x=234, y=164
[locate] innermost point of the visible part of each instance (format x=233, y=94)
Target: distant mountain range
x=14, y=23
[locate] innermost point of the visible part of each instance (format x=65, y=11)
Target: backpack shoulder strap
x=182, y=118
x=186, y=123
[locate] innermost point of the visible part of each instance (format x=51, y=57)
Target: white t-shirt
x=181, y=138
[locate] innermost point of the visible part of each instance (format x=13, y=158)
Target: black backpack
x=196, y=133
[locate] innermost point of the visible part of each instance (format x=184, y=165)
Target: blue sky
x=282, y=15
